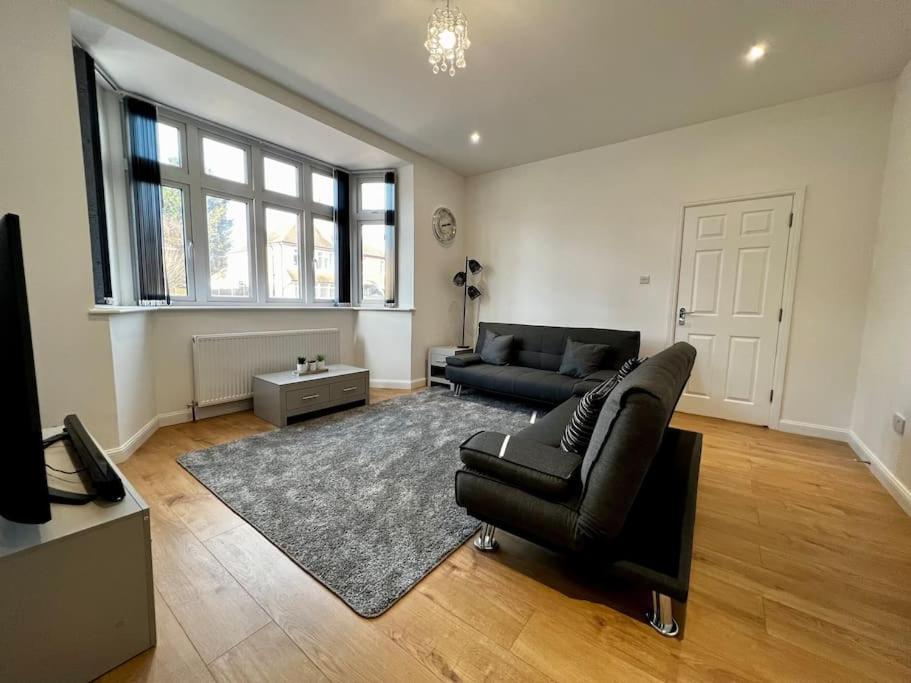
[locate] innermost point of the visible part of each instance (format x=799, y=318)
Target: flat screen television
x=24, y=495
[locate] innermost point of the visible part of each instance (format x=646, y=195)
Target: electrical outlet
x=898, y=423
x=645, y=279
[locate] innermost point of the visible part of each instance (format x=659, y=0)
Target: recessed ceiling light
x=475, y=138
x=756, y=52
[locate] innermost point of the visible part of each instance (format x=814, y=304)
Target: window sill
x=123, y=310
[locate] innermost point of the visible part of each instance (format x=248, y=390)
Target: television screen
x=23, y=482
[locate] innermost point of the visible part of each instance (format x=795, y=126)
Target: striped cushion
x=579, y=430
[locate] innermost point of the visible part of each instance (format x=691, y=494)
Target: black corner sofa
x=625, y=509
x=533, y=369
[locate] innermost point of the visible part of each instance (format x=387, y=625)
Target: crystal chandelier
x=447, y=39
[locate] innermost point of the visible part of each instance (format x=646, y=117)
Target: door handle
x=681, y=316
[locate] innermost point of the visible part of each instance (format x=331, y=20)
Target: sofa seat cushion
x=549, y=523
x=526, y=464
x=501, y=378
x=549, y=428
x=543, y=385
x=538, y=385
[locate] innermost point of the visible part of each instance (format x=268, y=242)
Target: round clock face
x=444, y=225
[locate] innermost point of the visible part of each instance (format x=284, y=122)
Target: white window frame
x=181, y=140
x=301, y=250
x=187, y=241
x=214, y=181
x=362, y=216
x=310, y=254
x=251, y=247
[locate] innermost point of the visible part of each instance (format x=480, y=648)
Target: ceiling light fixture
x=475, y=138
x=756, y=52
x=447, y=39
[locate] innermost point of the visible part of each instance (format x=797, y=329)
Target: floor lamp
x=469, y=291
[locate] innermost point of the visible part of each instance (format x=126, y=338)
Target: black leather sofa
x=537, y=350
x=626, y=508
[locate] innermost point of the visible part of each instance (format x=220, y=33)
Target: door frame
x=787, y=294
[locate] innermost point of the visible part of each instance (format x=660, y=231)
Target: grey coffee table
x=278, y=396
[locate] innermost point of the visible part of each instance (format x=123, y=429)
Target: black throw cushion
x=497, y=348
x=581, y=359
x=579, y=430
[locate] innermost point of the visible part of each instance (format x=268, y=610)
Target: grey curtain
x=145, y=178
x=87, y=99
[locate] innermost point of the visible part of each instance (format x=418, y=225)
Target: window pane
x=373, y=196
x=173, y=235
x=168, y=145
x=323, y=189
x=227, y=222
x=324, y=258
x=373, y=262
x=222, y=160
x=283, y=253
x=281, y=177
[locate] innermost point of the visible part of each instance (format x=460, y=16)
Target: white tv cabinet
x=76, y=595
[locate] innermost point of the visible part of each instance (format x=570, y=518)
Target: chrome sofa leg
x=661, y=615
x=458, y=389
x=485, y=541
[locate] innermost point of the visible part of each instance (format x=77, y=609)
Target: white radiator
x=224, y=364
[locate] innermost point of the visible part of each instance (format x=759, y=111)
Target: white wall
x=884, y=377
x=173, y=332
x=382, y=344
x=133, y=362
x=438, y=303
x=565, y=240
x=42, y=180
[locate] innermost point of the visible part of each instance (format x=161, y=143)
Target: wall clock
x=444, y=225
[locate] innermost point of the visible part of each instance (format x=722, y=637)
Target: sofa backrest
x=541, y=347
x=626, y=438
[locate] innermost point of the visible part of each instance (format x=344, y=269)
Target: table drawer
x=299, y=401
x=351, y=389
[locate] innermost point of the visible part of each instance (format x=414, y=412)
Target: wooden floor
x=802, y=571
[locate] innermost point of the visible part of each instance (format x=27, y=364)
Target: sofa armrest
x=526, y=464
x=463, y=360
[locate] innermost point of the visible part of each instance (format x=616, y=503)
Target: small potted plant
x=311, y=366
x=320, y=362
x=301, y=365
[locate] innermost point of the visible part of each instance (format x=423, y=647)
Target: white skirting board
x=131, y=445
x=811, y=429
x=895, y=488
x=890, y=482
x=398, y=383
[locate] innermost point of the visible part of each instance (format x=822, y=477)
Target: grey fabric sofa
x=532, y=372
x=626, y=508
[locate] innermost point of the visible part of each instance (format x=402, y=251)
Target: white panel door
x=729, y=296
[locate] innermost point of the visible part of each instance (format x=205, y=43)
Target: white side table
x=436, y=363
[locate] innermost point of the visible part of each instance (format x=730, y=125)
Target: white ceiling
x=547, y=77
x=147, y=70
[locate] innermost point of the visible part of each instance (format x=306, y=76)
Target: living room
x=426, y=242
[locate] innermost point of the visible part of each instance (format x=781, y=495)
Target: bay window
x=247, y=222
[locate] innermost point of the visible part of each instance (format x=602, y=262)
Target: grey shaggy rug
x=363, y=500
